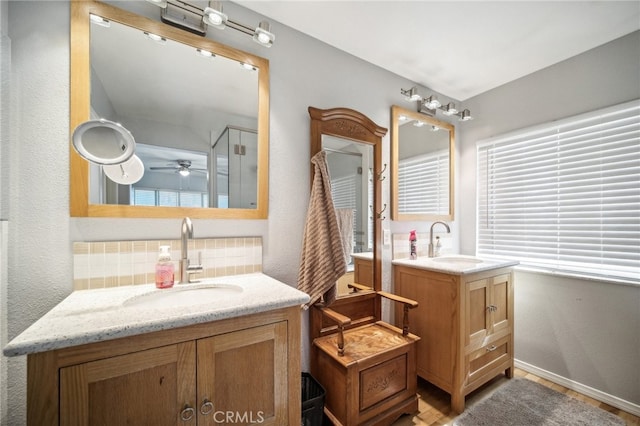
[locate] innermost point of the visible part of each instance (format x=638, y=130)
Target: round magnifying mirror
x=103, y=142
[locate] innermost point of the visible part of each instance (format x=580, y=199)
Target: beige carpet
x=521, y=402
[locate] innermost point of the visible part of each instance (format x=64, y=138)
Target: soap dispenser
x=438, y=247
x=165, y=269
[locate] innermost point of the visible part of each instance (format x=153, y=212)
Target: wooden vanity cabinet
x=363, y=271
x=243, y=370
x=465, y=323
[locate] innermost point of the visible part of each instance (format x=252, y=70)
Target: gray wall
x=304, y=72
x=585, y=331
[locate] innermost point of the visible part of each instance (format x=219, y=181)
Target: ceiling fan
x=183, y=167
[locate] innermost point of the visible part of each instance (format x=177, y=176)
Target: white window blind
x=343, y=193
x=423, y=184
x=565, y=196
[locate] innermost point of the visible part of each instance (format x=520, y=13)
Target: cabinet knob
x=492, y=348
x=492, y=308
x=187, y=413
x=206, y=408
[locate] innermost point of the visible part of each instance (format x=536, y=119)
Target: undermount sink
x=184, y=296
x=459, y=259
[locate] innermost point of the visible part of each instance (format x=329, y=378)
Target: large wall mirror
x=422, y=166
x=352, y=143
x=198, y=110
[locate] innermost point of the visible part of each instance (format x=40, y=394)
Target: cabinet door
x=155, y=387
x=488, y=309
x=242, y=377
x=477, y=313
x=501, y=306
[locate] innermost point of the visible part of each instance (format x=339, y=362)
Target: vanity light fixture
x=449, y=109
x=248, y=67
x=214, y=17
x=435, y=128
x=430, y=105
x=159, y=3
x=263, y=35
x=155, y=37
x=411, y=94
x=418, y=123
x=192, y=17
x=465, y=115
x=99, y=20
x=205, y=53
x=431, y=102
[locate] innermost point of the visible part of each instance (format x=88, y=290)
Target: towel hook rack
x=379, y=214
x=380, y=177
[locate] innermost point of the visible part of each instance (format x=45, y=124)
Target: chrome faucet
x=431, y=236
x=187, y=270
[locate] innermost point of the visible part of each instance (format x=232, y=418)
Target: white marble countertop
x=454, y=264
x=88, y=316
x=365, y=255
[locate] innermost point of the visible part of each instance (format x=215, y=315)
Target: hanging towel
x=322, y=261
x=345, y=225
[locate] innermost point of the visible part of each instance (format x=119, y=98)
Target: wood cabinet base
x=246, y=367
x=465, y=324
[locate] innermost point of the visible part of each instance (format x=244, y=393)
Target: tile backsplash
x=400, y=247
x=119, y=263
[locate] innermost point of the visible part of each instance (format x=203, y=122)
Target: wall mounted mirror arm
x=422, y=166
x=164, y=85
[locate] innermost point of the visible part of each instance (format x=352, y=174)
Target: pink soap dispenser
x=165, y=269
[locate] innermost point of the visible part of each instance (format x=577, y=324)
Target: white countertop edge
x=104, y=306
x=429, y=264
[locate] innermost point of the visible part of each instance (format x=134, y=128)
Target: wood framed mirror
x=119, y=71
x=422, y=166
x=354, y=154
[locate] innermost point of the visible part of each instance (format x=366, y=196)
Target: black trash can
x=312, y=401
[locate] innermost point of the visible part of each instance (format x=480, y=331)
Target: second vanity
x=225, y=350
x=464, y=319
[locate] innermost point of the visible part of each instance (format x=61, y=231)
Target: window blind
x=565, y=196
x=343, y=193
x=423, y=184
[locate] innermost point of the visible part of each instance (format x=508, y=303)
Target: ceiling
x=457, y=48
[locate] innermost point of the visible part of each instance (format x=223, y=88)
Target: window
x=565, y=196
x=424, y=184
x=168, y=198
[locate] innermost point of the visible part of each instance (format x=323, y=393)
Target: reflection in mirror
x=422, y=150
x=198, y=109
x=350, y=168
x=353, y=144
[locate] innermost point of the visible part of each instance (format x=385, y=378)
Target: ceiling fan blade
x=164, y=168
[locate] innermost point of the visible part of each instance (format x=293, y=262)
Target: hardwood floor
x=434, y=404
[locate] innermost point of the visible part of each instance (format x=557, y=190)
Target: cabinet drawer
x=489, y=359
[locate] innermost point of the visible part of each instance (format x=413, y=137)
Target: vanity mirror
x=353, y=146
x=422, y=166
x=198, y=110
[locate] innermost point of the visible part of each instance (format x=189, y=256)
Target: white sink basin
x=458, y=259
x=185, y=296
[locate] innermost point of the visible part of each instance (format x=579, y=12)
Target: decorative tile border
x=120, y=263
